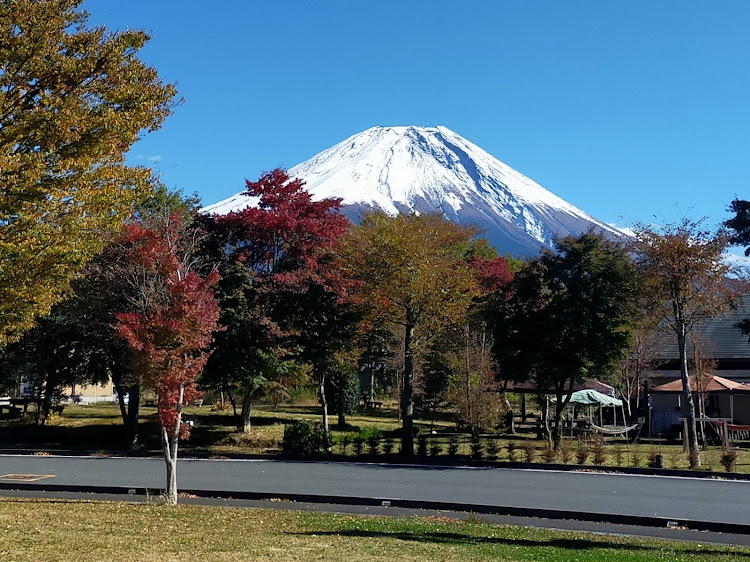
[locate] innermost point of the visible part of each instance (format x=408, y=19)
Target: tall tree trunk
x=233, y=402
x=324, y=404
x=372, y=380
x=44, y=406
x=557, y=428
x=169, y=447
x=245, y=425
x=563, y=399
x=467, y=386
x=342, y=406
x=510, y=415
x=120, y=389
x=400, y=388
x=134, y=407
x=407, y=395
x=688, y=406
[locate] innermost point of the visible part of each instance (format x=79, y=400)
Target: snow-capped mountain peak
x=433, y=169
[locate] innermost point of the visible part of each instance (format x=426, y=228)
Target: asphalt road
x=722, y=501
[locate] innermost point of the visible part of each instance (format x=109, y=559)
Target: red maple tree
x=169, y=334
x=297, y=293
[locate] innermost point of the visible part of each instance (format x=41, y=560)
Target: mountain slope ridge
x=433, y=169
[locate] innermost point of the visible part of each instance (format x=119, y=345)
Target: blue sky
x=632, y=111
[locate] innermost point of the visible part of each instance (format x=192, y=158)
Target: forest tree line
x=107, y=275
x=287, y=293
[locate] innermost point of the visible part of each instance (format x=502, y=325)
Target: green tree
x=412, y=268
x=73, y=100
x=283, y=293
x=85, y=321
x=684, y=279
x=739, y=224
x=567, y=317
x=247, y=354
x=342, y=388
x=50, y=356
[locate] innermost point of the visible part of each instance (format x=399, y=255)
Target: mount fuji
x=433, y=169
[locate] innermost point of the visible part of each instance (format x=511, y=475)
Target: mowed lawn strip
x=93, y=531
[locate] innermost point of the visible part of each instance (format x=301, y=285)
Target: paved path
x=721, y=501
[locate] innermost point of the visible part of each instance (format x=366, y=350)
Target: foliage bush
x=422, y=445
x=359, y=443
x=253, y=440
x=529, y=450
x=373, y=445
x=582, y=454
x=636, y=458
x=619, y=456
x=600, y=452
x=549, y=455
x=482, y=410
x=453, y=446
x=435, y=448
x=277, y=394
x=512, y=451
x=303, y=396
x=566, y=451
x=369, y=433
x=492, y=449
x=729, y=459
x=303, y=439
x=477, y=448
x=655, y=460
x=388, y=446
x=346, y=382
x=343, y=443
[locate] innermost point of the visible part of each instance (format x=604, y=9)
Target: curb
x=540, y=513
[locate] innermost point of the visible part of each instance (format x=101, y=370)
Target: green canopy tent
x=590, y=398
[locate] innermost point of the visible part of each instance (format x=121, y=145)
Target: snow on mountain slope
x=433, y=169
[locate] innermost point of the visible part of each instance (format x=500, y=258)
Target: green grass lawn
x=99, y=428
x=94, y=531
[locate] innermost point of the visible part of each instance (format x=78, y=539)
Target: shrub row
x=306, y=439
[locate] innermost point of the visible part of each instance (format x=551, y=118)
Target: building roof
x=713, y=384
x=719, y=336
x=589, y=384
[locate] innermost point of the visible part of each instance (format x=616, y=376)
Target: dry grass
x=87, y=531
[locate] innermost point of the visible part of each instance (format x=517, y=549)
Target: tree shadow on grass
x=230, y=420
x=458, y=539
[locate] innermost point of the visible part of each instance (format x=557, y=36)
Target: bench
x=373, y=404
x=57, y=409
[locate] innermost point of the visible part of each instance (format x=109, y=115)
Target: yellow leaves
x=71, y=104
x=414, y=263
x=682, y=264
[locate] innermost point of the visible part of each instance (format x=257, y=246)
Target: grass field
x=99, y=428
x=94, y=531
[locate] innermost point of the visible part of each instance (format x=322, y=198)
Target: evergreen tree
x=566, y=317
